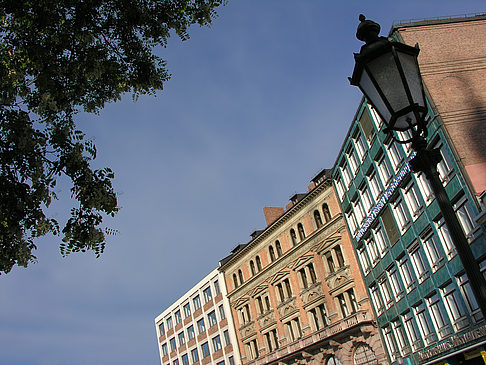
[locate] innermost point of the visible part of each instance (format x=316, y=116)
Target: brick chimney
x=272, y=214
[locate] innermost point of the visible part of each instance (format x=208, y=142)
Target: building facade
x=295, y=289
x=198, y=327
x=421, y=297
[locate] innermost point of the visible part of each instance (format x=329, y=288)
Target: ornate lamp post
x=388, y=74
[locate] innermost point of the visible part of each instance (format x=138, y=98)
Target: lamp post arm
x=426, y=161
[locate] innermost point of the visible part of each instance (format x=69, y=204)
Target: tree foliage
x=58, y=57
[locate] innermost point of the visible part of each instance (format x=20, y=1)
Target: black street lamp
x=389, y=76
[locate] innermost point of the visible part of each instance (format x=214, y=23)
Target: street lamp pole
x=388, y=74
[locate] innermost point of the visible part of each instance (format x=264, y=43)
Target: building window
x=284, y=289
x=217, y=290
x=469, y=298
x=352, y=159
x=358, y=210
x=222, y=314
x=245, y=314
x=212, y=319
x=438, y=315
x=444, y=167
x=464, y=214
x=271, y=340
x=385, y=291
x=178, y=317
x=394, y=153
x=293, y=329
x=411, y=198
x=161, y=329
x=252, y=267
x=364, y=355
x=185, y=360
x=216, y=343
x=367, y=125
x=390, y=343
x=383, y=168
x=412, y=331
x=175, y=362
x=432, y=250
x=200, y=326
x=347, y=302
x=164, y=350
x=418, y=262
x=220, y=363
x=376, y=298
x=317, y=218
x=400, y=214
x=240, y=276
x=394, y=280
x=197, y=302
x=319, y=317
x=205, y=350
x=366, y=197
x=326, y=212
x=405, y=136
x=235, y=280
x=307, y=276
x=293, y=236
x=364, y=260
x=406, y=272
x=445, y=238
x=403, y=346
x=187, y=310
x=454, y=307
x=424, y=187
x=372, y=249
x=169, y=323
x=207, y=295
x=258, y=263
x=195, y=355
x=227, y=340
x=190, y=332
x=278, y=247
x=300, y=229
x=339, y=187
x=360, y=144
x=271, y=252
x=330, y=262
x=182, y=339
x=345, y=173
x=379, y=238
x=251, y=349
x=374, y=184
x=351, y=219
x=173, y=346
x=231, y=360
x=425, y=326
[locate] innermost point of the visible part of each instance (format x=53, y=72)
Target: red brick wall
x=453, y=64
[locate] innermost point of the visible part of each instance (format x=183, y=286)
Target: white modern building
x=198, y=327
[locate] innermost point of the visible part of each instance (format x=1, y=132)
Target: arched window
x=272, y=253
x=317, y=218
x=327, y=212
x=258, y=263
x=240, y=276
x=364, y=355
x=300, y=228
x=279, y=248
x=333, y=360
x=293, y=236
x=235, y=281
x=252, y=267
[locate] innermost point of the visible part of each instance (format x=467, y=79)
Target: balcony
x=356, y=319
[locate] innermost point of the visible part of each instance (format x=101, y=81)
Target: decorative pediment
x=247, y=330
x=267, y=320
x=279, y=276
x=312, y=294
x=239, y=302
x=301, y=261
x=258, y=290
x=326, y=244
x=339, y=279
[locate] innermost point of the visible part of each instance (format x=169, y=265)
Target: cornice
x=326, y=184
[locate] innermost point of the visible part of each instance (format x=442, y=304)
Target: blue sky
x=257, y=105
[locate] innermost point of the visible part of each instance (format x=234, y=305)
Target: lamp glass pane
x=412, y=74
x=385, y=72
x=373, y=97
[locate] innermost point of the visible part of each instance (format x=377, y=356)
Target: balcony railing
x=323, y=334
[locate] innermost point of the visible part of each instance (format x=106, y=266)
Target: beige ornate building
x=295, y=289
